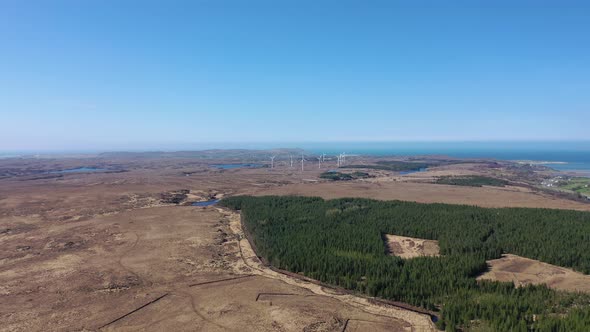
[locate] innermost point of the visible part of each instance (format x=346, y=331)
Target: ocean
x=562, y=156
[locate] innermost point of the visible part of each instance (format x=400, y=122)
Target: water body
x=570, y=166
x=205, y=203
x=574, y=156
x=8, y=155
x=80, y=170
x=423, y=169
x=233, y=166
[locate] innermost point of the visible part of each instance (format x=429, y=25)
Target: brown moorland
x=427, y=193
x=113, y=251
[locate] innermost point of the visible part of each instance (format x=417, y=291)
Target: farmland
x=577, y=184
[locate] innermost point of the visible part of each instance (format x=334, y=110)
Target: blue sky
x=147, y=74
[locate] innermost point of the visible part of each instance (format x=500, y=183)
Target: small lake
x=233, y=166
x=80, y=170
x=423, y=169
x=205, y=203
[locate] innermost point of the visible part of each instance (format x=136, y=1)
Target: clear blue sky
x=143, y=74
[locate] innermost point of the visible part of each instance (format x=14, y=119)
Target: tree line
x=471, y=181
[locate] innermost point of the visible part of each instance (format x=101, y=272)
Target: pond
x=233, y=166
x=80, y=170
x=205, y=203
x=423, y=169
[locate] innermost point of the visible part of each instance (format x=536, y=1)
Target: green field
x=578, y=185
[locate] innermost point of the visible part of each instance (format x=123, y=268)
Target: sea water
x=562, y=156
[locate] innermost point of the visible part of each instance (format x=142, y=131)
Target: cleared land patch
x=523, y=271
x=410, y=247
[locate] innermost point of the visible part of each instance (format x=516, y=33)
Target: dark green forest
x=340, y=242
x=471, y=181
x=339, y=176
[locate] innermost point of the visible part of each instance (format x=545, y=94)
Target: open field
x=106, y=251
x=428, y=193
x=577, y=184
x=102, y=251
x=88, y=274
x=523, y=271
x=410, y=247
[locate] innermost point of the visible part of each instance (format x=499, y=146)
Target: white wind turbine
x=302, y=161
x=320, y=162
x=272, y=161
x=291, y=156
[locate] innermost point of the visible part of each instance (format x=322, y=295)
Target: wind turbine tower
x=320, y=162
x=272, y=162
x=291, y=156
x=302, y=161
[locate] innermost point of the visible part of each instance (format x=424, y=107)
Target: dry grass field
x=106, y=251
x=410, y=247
x=523, y=271
x=427, y=193
x=101, y=252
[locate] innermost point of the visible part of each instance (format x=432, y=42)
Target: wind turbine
x=320, y=162
x=343, y=157
x=338, y=160
x=302, y=160
x=272, y=161
x=291, y=156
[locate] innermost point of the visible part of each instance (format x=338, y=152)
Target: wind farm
x=321, y=159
